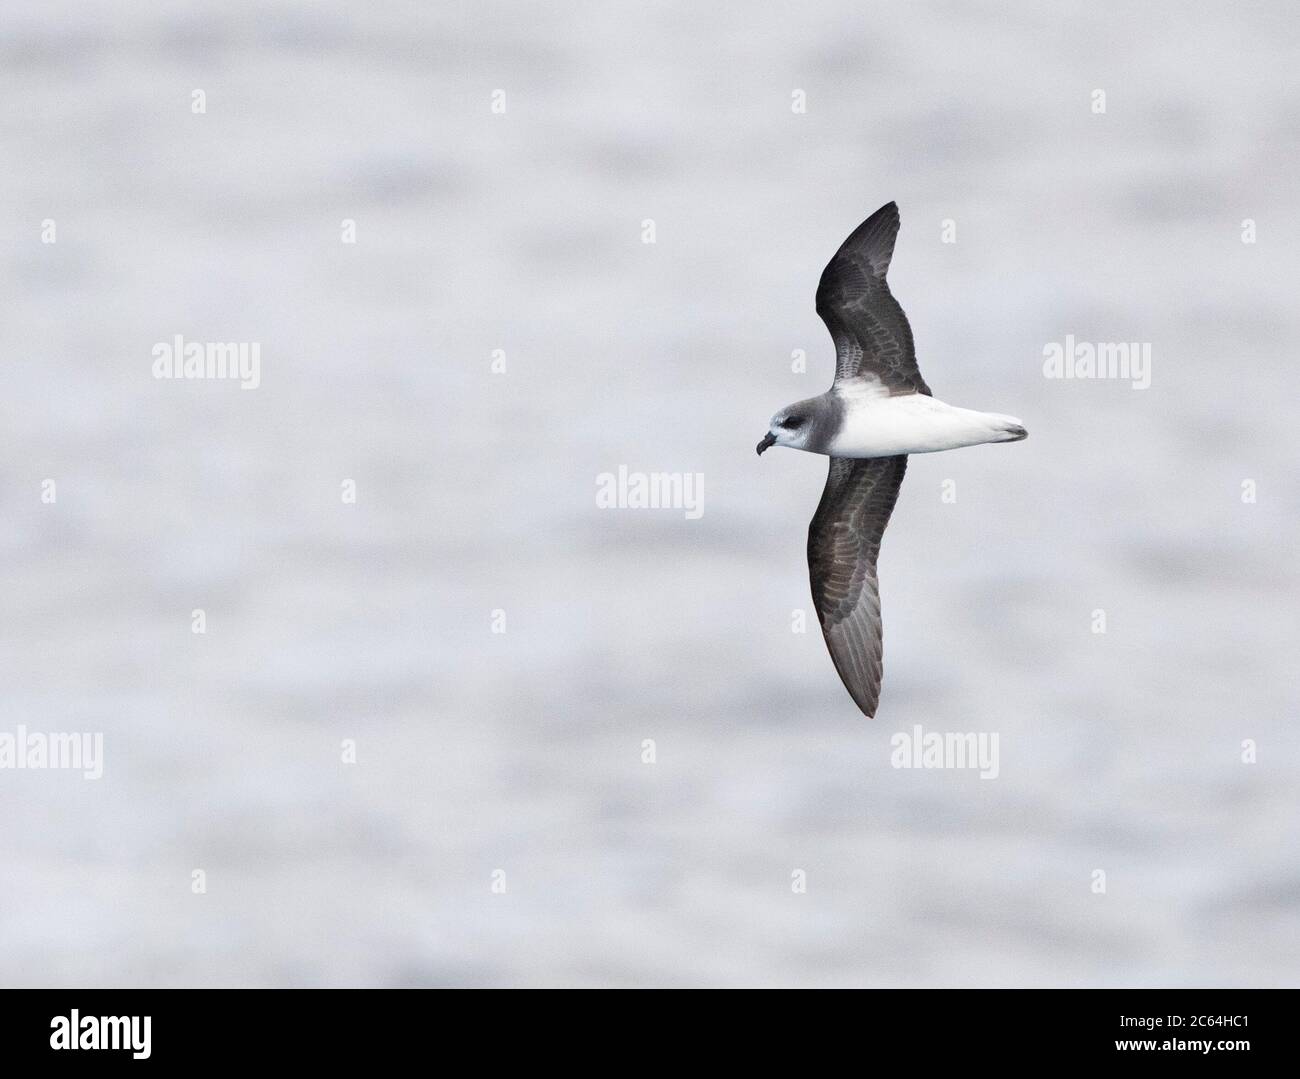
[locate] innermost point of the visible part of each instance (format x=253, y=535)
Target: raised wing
x=843, y=543
x=871, y=334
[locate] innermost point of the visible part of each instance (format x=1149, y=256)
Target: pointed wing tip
x=872, y=243
x=861, y=683
x=859, y=691
x=867, y=708
x=890, y=210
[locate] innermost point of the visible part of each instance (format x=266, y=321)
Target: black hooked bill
x=769, y=439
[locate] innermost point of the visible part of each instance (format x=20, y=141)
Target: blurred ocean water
x=517, y=237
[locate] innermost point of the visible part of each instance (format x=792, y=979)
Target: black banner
x=166, y=1029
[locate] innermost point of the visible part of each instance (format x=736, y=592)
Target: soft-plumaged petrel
x=877, y=411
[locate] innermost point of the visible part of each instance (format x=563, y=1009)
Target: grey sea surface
x=499, y=826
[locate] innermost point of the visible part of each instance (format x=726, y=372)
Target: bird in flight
x=877, y=411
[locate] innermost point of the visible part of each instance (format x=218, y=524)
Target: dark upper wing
x=843, y=542
x=870, y=331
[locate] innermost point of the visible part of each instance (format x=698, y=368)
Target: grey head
x=805, y=425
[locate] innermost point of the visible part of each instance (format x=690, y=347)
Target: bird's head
x=789, y=427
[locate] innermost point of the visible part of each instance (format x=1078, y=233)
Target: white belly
x=885, y=426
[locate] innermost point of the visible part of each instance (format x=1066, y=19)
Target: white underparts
x=878, y=426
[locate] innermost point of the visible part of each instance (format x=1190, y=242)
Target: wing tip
x=867, y=707
x=862, y=685
x=875, y=238
x=888, y=212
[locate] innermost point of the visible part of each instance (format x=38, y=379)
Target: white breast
x=884, y=426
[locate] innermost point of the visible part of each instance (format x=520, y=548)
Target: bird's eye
x=791, y=422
